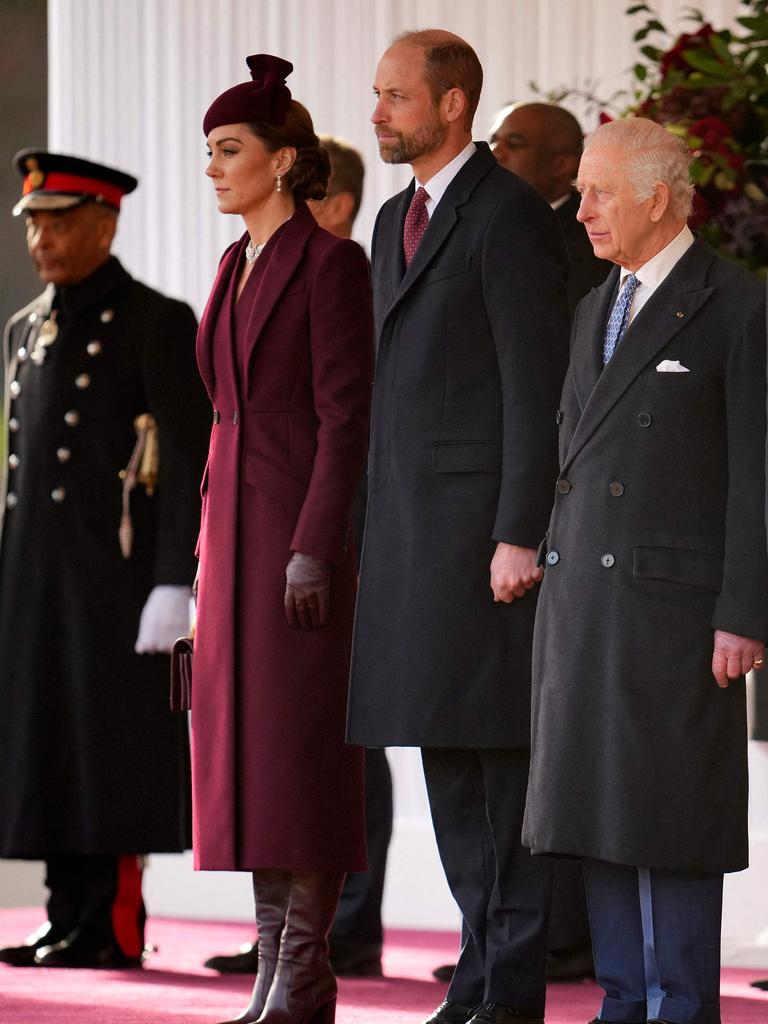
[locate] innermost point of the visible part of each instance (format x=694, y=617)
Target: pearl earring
x=279, y=183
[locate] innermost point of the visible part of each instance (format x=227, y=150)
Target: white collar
x=652, y=273
x=439, y=182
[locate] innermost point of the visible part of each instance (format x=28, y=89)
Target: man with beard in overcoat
x=471, y=311
x=654, y=604
x=95, y=578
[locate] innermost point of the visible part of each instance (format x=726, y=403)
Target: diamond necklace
x=252, y=252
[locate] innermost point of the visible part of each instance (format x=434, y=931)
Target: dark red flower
x=701, y=212
x=604, y=118
x=711, y=130
x=687, y=41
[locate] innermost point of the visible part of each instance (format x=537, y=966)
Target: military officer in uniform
x=94, y=574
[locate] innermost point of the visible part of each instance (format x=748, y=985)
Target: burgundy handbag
x=181, y=674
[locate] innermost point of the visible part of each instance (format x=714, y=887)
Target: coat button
x=216, y=415
x=234, y=417
x=13, y=424
x=93, y=348
x=563, y=486
x=15, y=389
x=72, y=418
x=644, y=419
x=616, y=488
x=82, y=381
x=13, y=460
x=107, y=315
x=32, y=318
x=553, y=557
x=11, y=499
x=607, y=561
x=22, y=355
x=58, y=494
x=63, y=454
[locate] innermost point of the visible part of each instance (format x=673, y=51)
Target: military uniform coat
x=657, y=538
x=472, y=350
x=274, y=784
x=91, y=760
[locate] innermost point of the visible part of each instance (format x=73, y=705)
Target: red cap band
x=56, y=181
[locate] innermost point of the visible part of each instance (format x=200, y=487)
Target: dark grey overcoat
x=91, y=759
x=657, y=538
x=472, y=350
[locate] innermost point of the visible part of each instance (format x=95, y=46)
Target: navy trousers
x=656, y=942
x=358, y=917
x=477, y=799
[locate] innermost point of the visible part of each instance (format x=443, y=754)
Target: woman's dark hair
x=308, y=177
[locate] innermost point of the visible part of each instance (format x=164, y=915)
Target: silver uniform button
x=58, y=494
x=72, y=418
x=14, y=389
x=13, y=424
x=13, y=460
x=63, y=454
x=93, y=348
x=22, y=355
x=82, y=381
x=32, y=318
x=11, y=499
x=107, y=316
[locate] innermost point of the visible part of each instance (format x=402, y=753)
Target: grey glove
x=307, y=591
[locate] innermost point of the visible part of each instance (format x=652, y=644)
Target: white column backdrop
x=129, y=83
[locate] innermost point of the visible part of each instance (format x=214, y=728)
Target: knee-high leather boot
x=271, y=890
x=304, y=987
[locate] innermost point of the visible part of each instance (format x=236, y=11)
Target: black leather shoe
x=351, y=959
x=498, y=1013
x=24, y=956
x=570, y=965
x=81, y=950
x=451, y=1013
x=245, y=961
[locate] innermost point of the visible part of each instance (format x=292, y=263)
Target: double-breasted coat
x=657, y=538
x=274, y=784
x=91, y=760
x=472, y=350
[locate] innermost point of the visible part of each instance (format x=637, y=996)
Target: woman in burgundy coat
x=285, y=350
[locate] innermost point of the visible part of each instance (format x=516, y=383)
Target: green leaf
x=651, y=52
x=640, y=34
x=655, y=26
x=640, y=72
x=703, y=61
x=693, y=14
x=720, y=47
x=636, y=8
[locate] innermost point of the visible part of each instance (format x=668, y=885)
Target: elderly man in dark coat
x=655, y=600
x=94, y=578
x=472, y=324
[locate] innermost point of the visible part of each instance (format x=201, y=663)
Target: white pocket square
x=671, y=366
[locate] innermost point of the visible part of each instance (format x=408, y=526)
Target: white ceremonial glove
x=164, y=619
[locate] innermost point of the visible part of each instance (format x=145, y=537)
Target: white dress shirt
x=439, y=182
x=652, y=273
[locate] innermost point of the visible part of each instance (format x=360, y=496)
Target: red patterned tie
x=416, y=221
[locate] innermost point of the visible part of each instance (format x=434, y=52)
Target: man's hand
x=164, y=619
x=734, y=656
x=513, y=571
x=307, y=591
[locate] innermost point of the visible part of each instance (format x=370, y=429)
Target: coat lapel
x=286, y=257
x=210, y=316
x=397, y=255
x=670, y=308
x=441, y=224
x=587, y=357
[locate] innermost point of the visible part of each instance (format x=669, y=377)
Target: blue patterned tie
x=619, y=318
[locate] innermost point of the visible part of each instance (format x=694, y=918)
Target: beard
x=409, y=147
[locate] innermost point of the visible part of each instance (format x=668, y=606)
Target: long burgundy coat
x=274, y=785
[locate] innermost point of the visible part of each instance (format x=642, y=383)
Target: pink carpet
x=173, y=987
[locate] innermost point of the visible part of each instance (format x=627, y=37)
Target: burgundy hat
x=265, y=99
